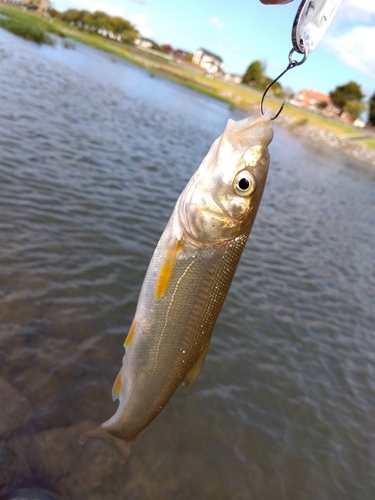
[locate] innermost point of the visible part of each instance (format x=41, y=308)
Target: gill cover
x=218, y=202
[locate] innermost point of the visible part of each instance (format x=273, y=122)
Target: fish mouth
x=257, y=128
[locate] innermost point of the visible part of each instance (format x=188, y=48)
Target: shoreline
x=297, y=120
x=317, y=135
x=355, y=143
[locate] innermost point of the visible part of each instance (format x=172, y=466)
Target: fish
x=188, y=279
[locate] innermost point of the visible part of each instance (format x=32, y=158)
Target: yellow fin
x=167, y=267
x=116, y=389
x=192, y=376
x=130, y=335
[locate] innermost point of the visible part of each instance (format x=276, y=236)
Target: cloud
x=357, y=10
x=147, y=32
x=143, y=2
x=139, y=20
x=215, y=21
x=355, y=48
x=352, y=38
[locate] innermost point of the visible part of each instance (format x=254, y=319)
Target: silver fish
x=188, y=278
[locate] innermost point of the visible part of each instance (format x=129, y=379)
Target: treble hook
x=292, y=64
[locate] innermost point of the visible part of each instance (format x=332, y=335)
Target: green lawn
x=27, y=25
x=370, y=144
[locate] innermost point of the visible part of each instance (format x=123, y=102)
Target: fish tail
x=122, y=446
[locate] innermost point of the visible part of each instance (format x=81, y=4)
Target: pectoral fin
x=116, y=389
x=192, y=376
x=167, y=267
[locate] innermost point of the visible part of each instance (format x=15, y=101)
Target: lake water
x=93, y=155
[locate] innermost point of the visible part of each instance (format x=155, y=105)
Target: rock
x=74, y=470
x=33, y=494
x=38, y=385
x=345, y=145
x=15, y=408
x=12, y=470
x=45, y=391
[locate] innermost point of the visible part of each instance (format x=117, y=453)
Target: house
x=228, y=77
x=209, y=61
x=316, y=101
x=40, y=5
x=144, y=43
x=359, y=123
x=180, y=55
x=346, y=118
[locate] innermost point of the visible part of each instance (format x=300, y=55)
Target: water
x=94, y=153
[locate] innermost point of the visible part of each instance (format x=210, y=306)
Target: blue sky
x=241, y=31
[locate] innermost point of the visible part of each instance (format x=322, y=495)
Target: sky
x=242, y=31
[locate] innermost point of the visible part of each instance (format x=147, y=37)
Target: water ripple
x=93, y=157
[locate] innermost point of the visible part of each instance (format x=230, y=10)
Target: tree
x=371, y=110
x=255, y=73
x=98, y=22
x=355, y=109
x=275, y=89
x=345, y=93
x=321, y=105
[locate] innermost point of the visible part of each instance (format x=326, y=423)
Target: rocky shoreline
x=54, y=461
x=345, y=145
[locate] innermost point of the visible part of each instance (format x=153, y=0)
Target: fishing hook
x=292, y=64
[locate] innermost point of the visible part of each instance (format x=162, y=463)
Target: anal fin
x=192, y=376
x=130, y=335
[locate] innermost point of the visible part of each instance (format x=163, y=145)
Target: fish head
x=222, y=198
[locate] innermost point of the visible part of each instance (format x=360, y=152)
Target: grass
x=370, y=144
x=92, y=39
x=33, y=27
x=27, y=26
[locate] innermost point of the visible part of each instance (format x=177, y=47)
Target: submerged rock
x=13, y=470
x=75, y=471
x=15, y=408
x=33, y=494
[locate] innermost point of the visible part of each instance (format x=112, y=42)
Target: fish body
x=188, y=278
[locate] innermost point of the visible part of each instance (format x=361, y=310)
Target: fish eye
x=244, y=183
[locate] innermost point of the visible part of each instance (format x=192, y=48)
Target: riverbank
x=351, y=141
x=347, y=145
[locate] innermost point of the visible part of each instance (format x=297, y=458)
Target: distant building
x=359, y=123
x=40, y=5
x=316, y=101
x=180, y=55
x=209, y=61
x=347, y=118
x=167, y=49
x=145, y=43
x=228, y=77
x=109, y=34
